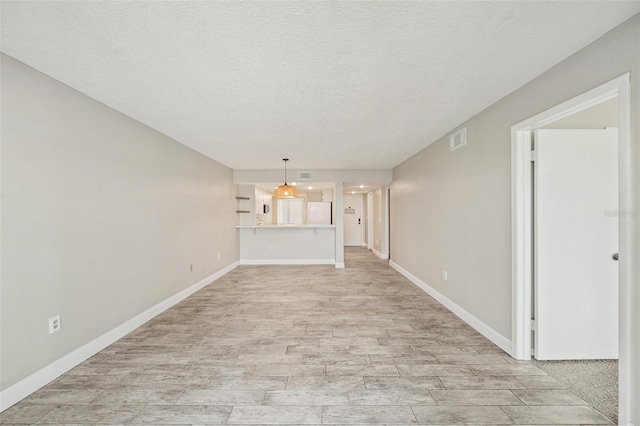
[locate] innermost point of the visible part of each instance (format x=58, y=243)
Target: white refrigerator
x=319, y=213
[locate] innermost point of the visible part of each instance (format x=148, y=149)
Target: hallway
x=305, y=345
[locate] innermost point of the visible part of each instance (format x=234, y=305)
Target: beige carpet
x=594, y=381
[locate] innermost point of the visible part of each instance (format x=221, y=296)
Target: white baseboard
x=32, y=383
x=339, y=265
x=481, y=327
x=287, y=261
x=380, y=255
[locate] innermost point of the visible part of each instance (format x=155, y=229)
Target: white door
x=353, y=220
x=576, y=234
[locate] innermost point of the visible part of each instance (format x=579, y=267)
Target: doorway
x=353, y=227
x=523, y=224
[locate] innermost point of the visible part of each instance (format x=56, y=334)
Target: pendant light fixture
x=285, y=191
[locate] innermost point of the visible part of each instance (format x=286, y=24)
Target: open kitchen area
x=314, y=224
x=295, y=230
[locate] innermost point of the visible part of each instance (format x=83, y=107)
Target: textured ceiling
x=331, y=85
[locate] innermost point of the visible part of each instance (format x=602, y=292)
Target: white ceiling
x=331, y=85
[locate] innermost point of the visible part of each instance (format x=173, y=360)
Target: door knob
x=615, y=256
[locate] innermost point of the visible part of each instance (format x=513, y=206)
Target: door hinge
x=533, y=325
x=534, y=155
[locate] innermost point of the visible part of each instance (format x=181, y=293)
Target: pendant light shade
x=285, y=191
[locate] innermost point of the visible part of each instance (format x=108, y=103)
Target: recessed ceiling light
x=353, y=192
x=293, y=183
x=311, y=187
x=361, y=186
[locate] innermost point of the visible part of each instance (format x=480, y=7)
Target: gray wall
x=452, y=210
x=101, y=217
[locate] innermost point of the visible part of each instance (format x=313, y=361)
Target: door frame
x=522, y=220
x=370, y=220
x=363, y=232
x=387, y=222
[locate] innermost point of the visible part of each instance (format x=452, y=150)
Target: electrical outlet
x=191, y=268
x=218, y=256
x=54, y=324
x=444, y=275
x=270, y=247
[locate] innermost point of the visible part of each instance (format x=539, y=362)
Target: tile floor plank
x=481, y=382
x=221, y=397
x=549, y=397
x=289, y=370
x=475, y=397
x=452, y=415
x=333, y=415
x=362, y=370
x=130, y=396
x=179, y=414
x=434, y=370
x=390, y=397
x=555, y=415
x=326, y=382
x=89, y=414
x=306, y=397
x=415, y=383
x=297, y=414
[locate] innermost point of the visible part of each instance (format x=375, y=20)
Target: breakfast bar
x=287, y=244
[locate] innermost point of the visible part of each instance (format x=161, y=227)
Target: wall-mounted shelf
x=242, y=208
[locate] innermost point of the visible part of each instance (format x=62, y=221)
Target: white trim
x=32, y=383
x=387, y=222
x=521, y=216
x=287, y=261
x=488, y=332
x=380, y=255
x=370, y=220
x=626, y=249
x=362, y=230
x=338, y=199
x=339, y=265
x=521, y=247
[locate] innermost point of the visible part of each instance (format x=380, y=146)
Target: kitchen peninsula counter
x=287, y=244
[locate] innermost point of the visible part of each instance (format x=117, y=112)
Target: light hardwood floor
x=305, y=345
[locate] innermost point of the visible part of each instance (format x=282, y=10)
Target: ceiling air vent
x=458, y=139
x=305, y=175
